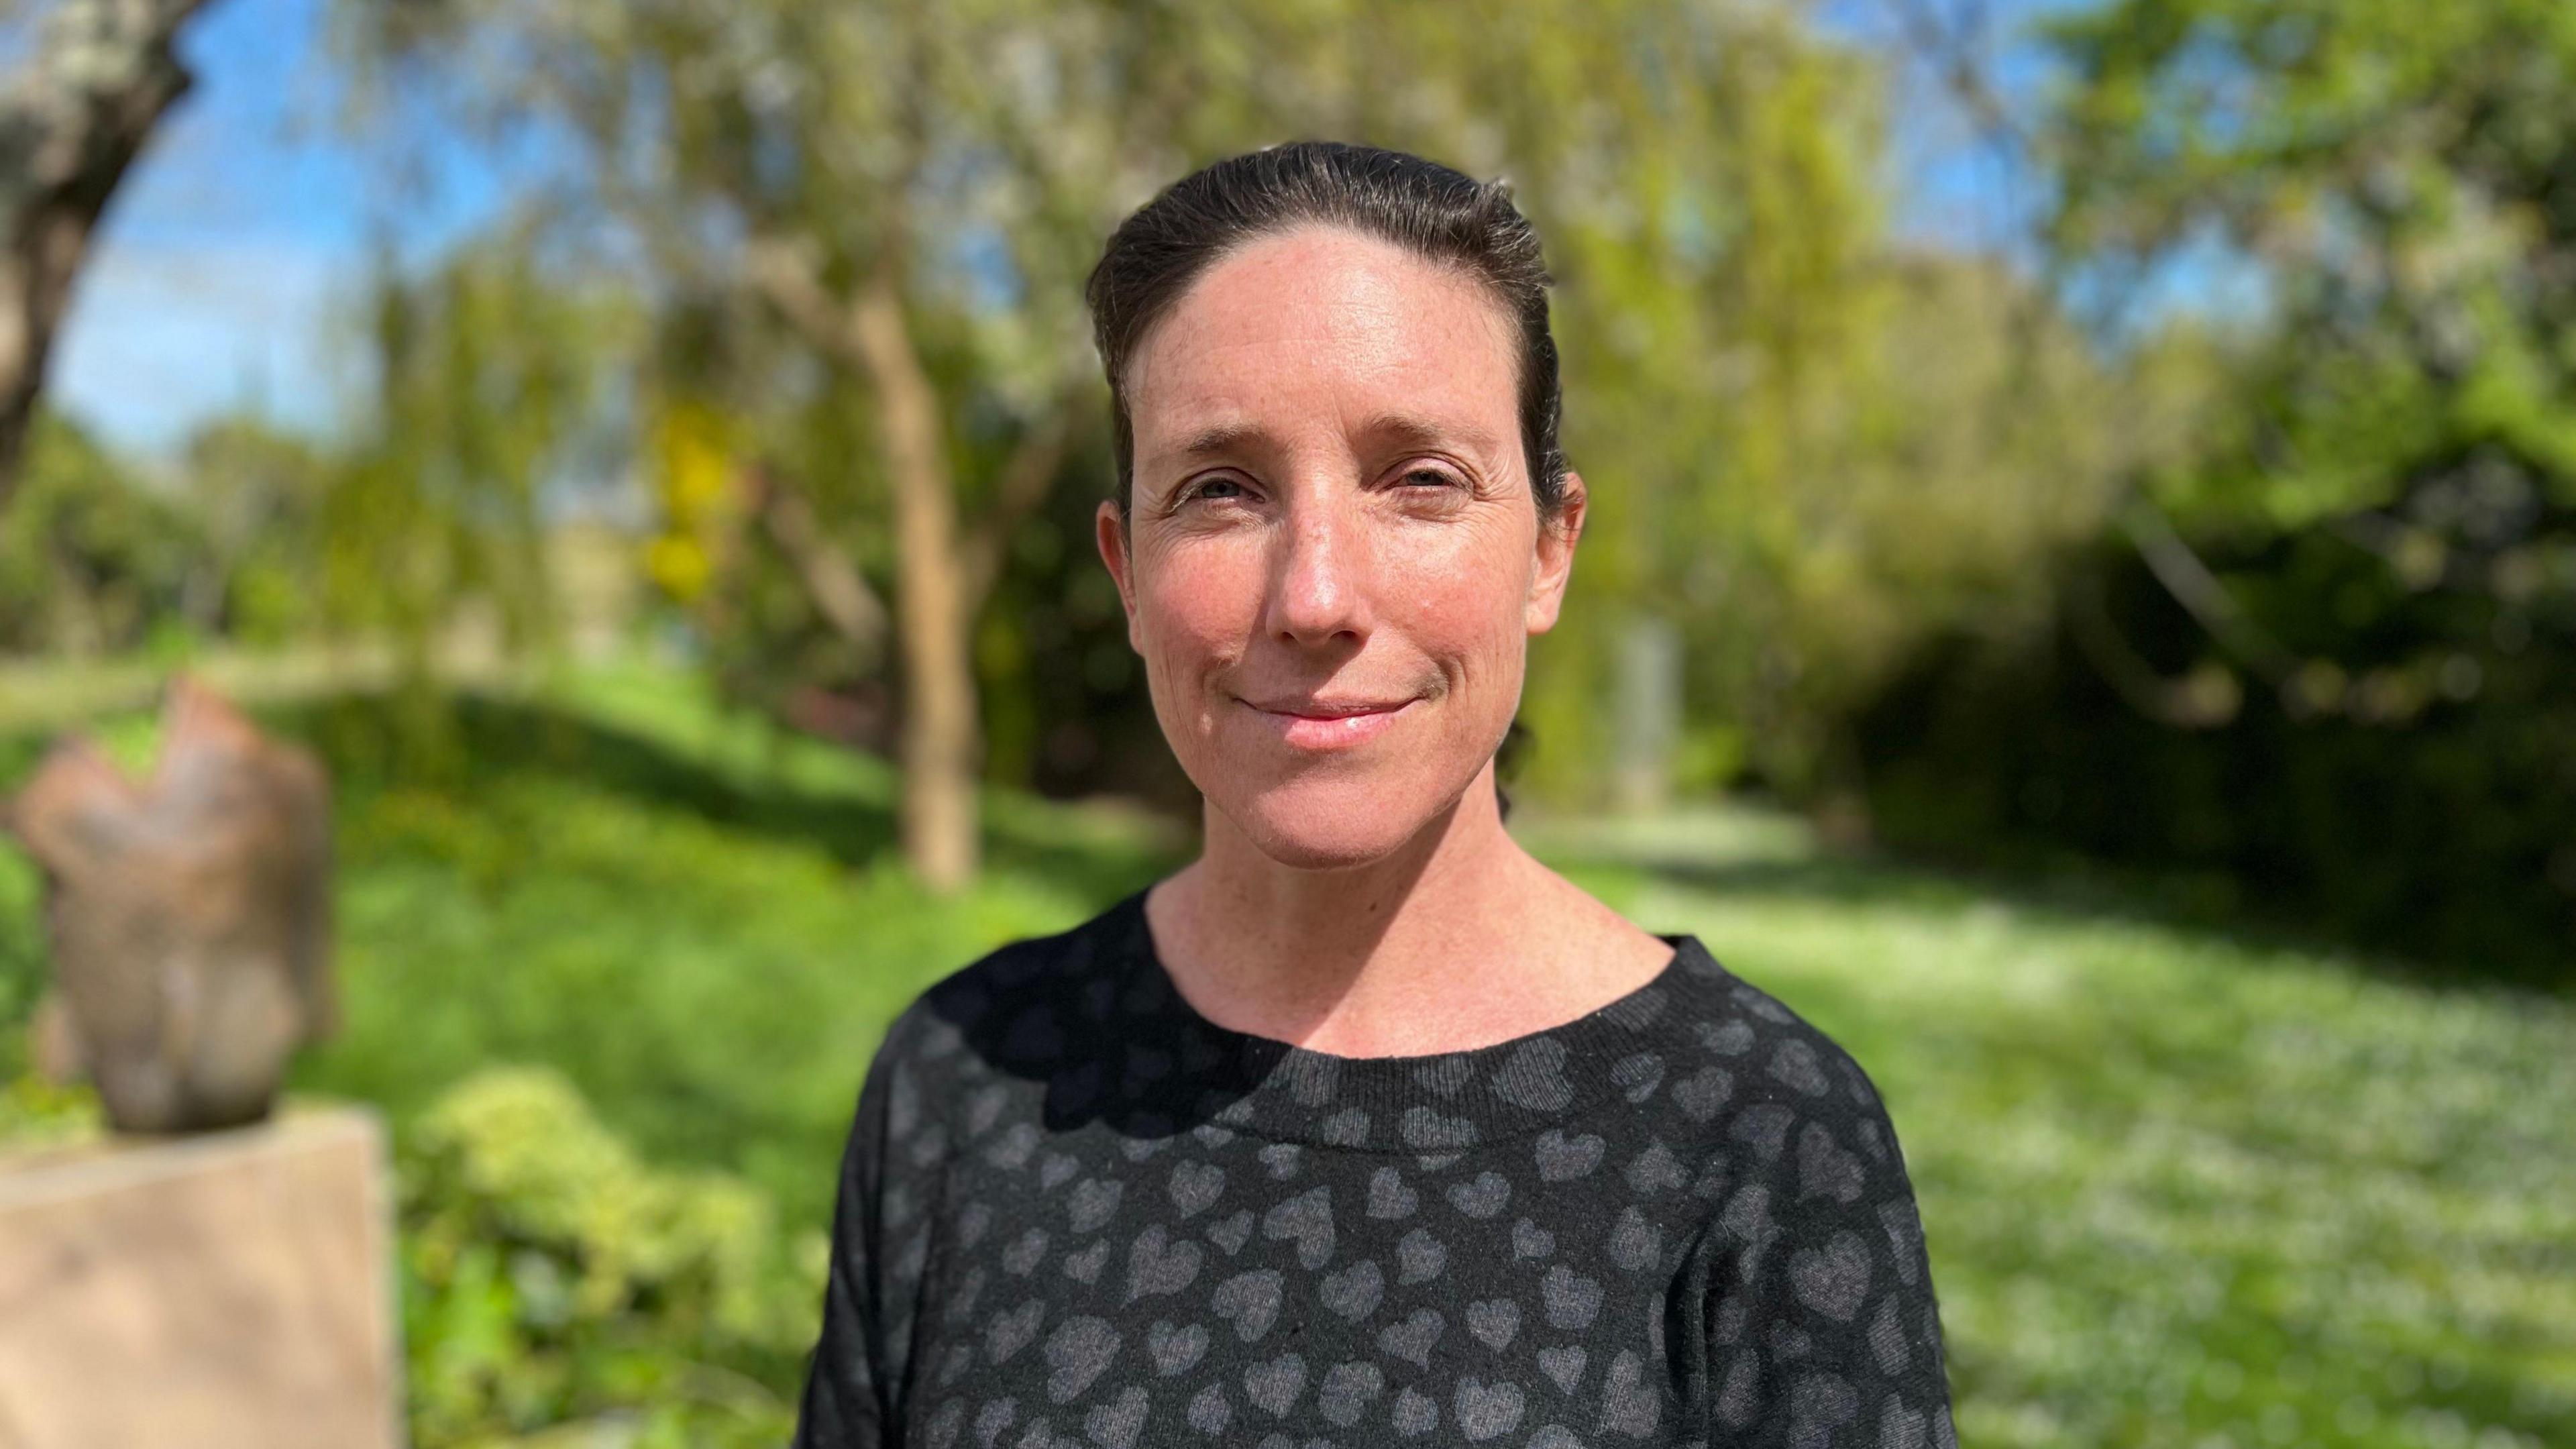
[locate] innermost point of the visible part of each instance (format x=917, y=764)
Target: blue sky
x=226, y=258
x=219, y=276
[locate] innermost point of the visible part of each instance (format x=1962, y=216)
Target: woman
x=1364, y=1127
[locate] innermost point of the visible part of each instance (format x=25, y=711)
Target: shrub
x=549, y=1277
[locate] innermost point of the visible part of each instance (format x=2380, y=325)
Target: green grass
x=699, y=918
x=2180, y=1188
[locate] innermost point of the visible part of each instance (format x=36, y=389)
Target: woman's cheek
x=1208, y=594
x=1469, y=626
x=1184, y=625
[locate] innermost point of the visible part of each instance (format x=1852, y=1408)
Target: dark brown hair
x=1423, y=206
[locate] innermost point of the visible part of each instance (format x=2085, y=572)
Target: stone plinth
x=222, y=1291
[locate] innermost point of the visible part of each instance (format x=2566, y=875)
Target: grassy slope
x=2175, y=1186
x=697, y=917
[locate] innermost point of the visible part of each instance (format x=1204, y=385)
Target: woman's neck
x=1458, y=939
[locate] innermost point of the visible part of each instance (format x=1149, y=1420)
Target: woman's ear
x=1109, y=532
x=1556, y=542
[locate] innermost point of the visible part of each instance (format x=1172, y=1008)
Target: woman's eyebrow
x=1222, y=438
x=1409, y=430
x=1385, y=430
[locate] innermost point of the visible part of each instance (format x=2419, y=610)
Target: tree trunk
x=939, y=727
x=70, y=124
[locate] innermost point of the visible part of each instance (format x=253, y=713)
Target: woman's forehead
x=1323, y=325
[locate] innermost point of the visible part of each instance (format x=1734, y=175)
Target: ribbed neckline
x=1234, y=1080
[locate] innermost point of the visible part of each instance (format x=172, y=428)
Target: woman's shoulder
x=1770, y=1065
x=1022, y=1001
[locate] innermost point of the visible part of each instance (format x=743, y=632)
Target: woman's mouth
x=1307, y=724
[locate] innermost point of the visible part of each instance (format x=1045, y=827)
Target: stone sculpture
x=189, y=917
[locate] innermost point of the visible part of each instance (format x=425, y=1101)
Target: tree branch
x=785, y=274
x=838, y=590
x=1024, y=483
x=2200, y=593
x=72, y=120
x=1951, y=51
x=2167, y=701
x=783, y=271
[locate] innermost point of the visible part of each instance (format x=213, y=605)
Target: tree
x=2396, y=180
x=258, y=493
x=486, y=365
x=92, y=559
x=71, y=121
x=881, y=213
x=2337, y=626
x=907, y=225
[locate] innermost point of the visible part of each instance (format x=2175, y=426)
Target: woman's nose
x=1320, y=573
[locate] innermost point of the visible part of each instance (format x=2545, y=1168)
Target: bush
x=551, y=1277
x=2409, y=788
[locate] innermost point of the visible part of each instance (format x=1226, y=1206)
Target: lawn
x=2180, y=1188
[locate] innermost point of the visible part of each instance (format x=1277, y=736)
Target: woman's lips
x=1314, y=732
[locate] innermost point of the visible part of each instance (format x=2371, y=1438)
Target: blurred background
x=2080, y=601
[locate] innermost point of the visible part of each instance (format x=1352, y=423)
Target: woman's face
x=1336, y=560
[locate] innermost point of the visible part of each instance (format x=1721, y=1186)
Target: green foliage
x=1806, y=446
x=260, y=495
x=2395, y=181
x=92, y=561
x=550, y=1276
x=38, y=1113
x=2325, y=660
x=1066, y=710
x=729, y=1022
x=266, y=539
x=485, y=368
x=2409, y=786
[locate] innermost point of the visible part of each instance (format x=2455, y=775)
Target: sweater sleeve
x=846, y=1404
x=1825, y=1331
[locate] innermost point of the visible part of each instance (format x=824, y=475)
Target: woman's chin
x=1320, y=827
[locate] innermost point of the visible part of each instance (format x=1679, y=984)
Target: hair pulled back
x=1437, y=213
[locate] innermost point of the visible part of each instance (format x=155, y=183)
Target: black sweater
x=1074, y=1211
